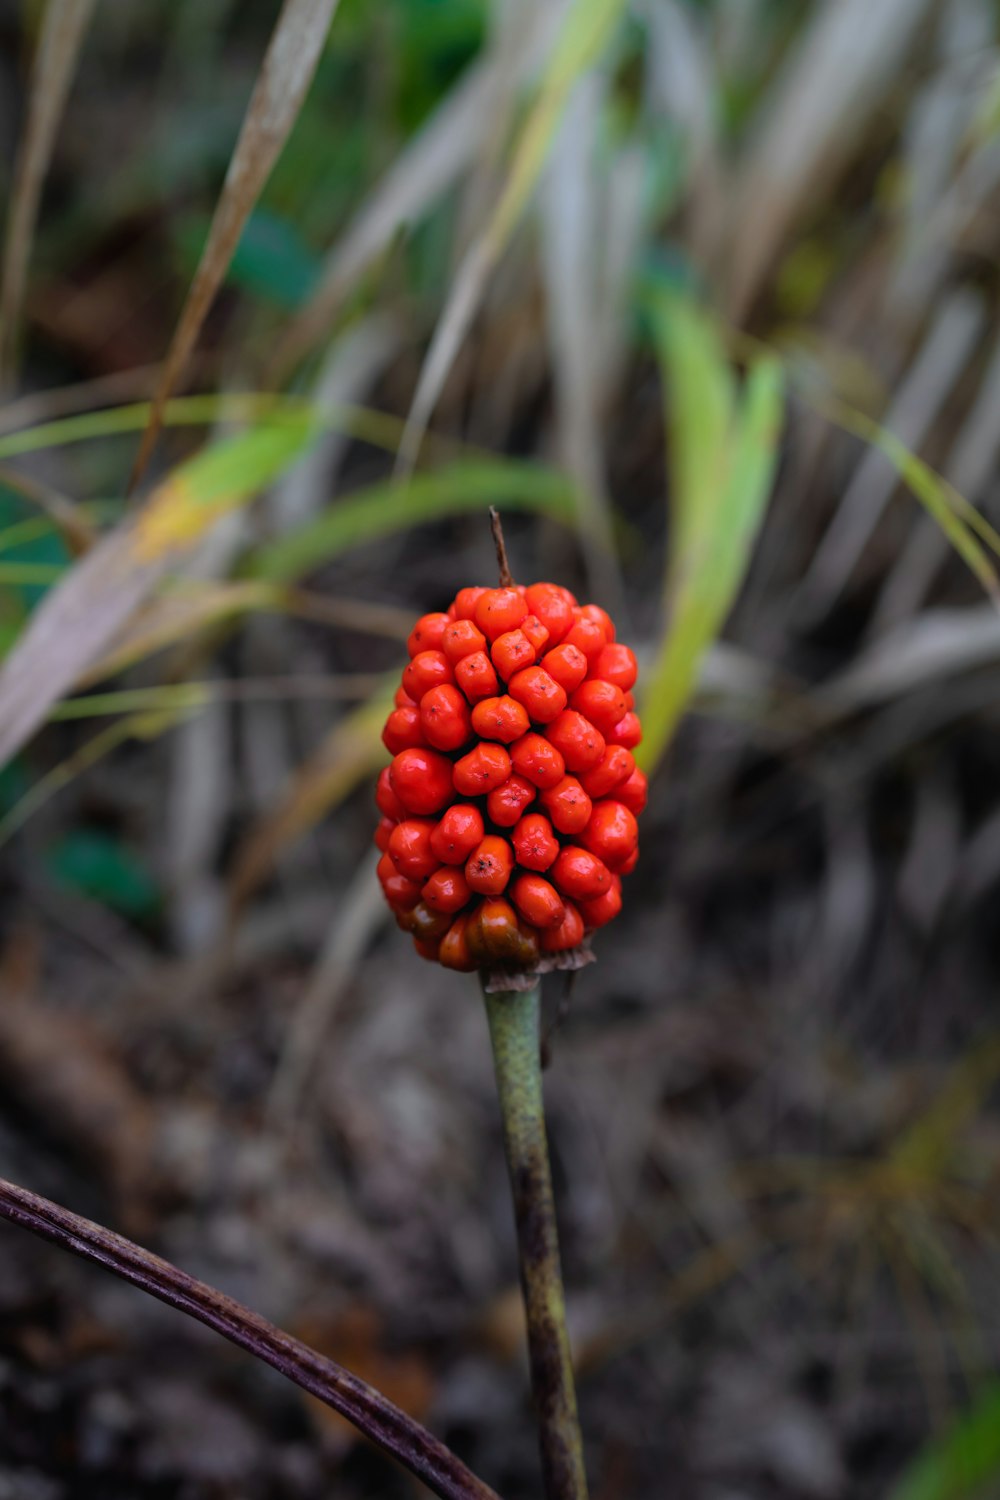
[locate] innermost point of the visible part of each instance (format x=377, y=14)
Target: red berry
x=587, y=636
x=617, y=664
x=553, y=606
x=386, y=800
x=466, y=601
x=422, y=780
x=541, y=694
x=382, y=833
x=444, y=717
x=410, y=848
x=476, y=677
x=500, y=610
x=460, y=639
x=402, y=699
x=534, y=631
x=446, y=890
x=457, y=834
x=399, y=891
x=493, y=934
x=534, y=842
x=488, y=867
x=429, y=948
x=627, y=732
x=568, y=805
x=612, y=833
x=579, y=742
x=506, y=803
x=633, y=792
x=454, y=951
x=600, y=618
x=569, y=933
x=538, y=761
x=537, y=900
x=600, y=702
x=511, y=652
x=567, y=664
x=428, y=924
x=426, y=633
x=500, y=719
x=427, y=670
x=616, y=767
x=603, y=908
x=580, y=874
x=481, y=770
x=630, y=863
x=402, y=729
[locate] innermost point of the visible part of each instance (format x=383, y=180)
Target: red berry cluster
x=509, y=809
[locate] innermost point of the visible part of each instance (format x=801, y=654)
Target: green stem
x=514, y=1031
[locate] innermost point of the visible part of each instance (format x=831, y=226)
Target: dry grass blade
x=584, y=35
x=285, y=76
x=63, y=30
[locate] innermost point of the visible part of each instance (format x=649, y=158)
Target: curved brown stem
x=503, y=566
x=383, y=1423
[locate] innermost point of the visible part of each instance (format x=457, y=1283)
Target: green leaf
x=102, y=868
x=395, y=505
x=964, y=1462
x=723, y=449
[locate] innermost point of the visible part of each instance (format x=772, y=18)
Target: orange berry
x=538, y=901
x=402, y=699
x=447, y=890
x=538, y=761
x=382, y=833
x=466, y=601
x=386, y=800
x=534, y=842
x=587, y=636
x=554, y=607
x=481, y=770
x=428, y=669
x=476, y=677
x=617, y=664
x=568, y=934
x=400, y=892
x=488, y=867
x=426, y=633
x=454, y=951
x=427, y=923
x=600, y=702
x=634, y=791
x=612, y=833
x=444, y=717
x=511, y=652
x=532, y=628
x=422, y=780
x=492, y=932
x=568, y=805
x=541, y=694
x=616, y=767
x=627, y=732
x=501, y=719
x=457, y=834
x=578, y=741
x=603, y=908
x=506, y=803
x=402, y=729
x=567, y=664
x=580, y=874
x=429, y=948
x=600, y=618
x=460, y=639
x=500, y=610
x=410, y=848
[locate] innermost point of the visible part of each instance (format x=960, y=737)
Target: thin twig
x=369, y=1411
x=514, y=1031
x=503, y=567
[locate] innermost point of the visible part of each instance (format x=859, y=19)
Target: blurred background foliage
x=702, y=293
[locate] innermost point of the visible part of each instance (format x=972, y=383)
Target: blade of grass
x=75, y=624
x=391, y=506
x=286, y=73
x=964, y=1462
x=64, y=25
x=723, y=452
x=585, y=33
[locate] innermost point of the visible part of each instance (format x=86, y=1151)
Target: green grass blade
x=964, y=1462
x=395, y=505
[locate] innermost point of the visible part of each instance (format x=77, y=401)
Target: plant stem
x=514, y=1031
x=370, y=1412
